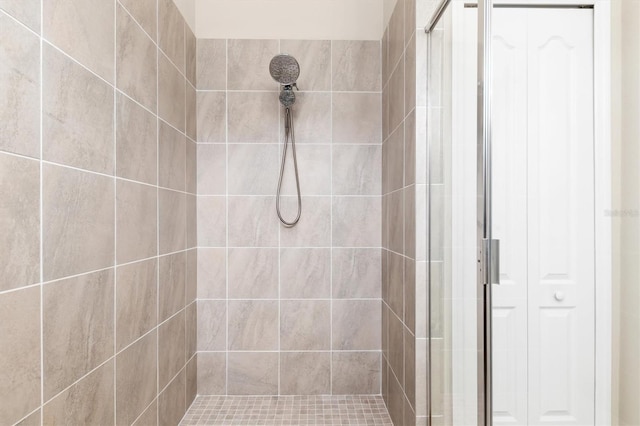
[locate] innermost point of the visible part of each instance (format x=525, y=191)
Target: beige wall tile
x=78, y=221
x=171, y=93
x=312, y=118
x=253, y=325
x=90, y=401
x=68, y=326
x=172, y=225
x=212, y=373
x=171, y=402
x=410, y=75
x=396, y=221
x=192, y=221
x=396, y=97
x=136, y=61
x=410, y=158
x=356, y=118
x=395, y=160
x=212, y=273
x=410, y=21
x=171, y=157
x=314, y=57
x=191, y=112
x=192, y=275
x=356, y=221
x=191, y=373
x=212, y=330
x=136, y=221
x=212, y=221
x=252, y=169
x=19, y=354
x=356, y=169
x=410, y=367
x=145, y=13
x=305, y=373
x=396, y=283
x=251, y=222
x=191, y=167
x=190, y=55
x=395, y=401
x=171, y=32
x=77, y=116
x=356, y=273
x=34, y=419
x=191, y=329
x=212, y=116
x=396, y=34
x=355, y=373
x=385, y=56
x=314, y=227
x=171, y=349
x=85, y=30
x=19, y=82
x=356, y=65
x=212, y=169
x=19, y=222
x=396, y=347
x=253, y=117
x=356, y=324
x=410, y=295
x=252, y=373
x=25, y=11
x=149, y=417
x=136, y=296
x=248, y=67
x=305, y=325
x=305, y=273
x=314, y=165
x=253, y=273
x=211, y=64
x=136, y=142
x=136, y=384
x=171, y=288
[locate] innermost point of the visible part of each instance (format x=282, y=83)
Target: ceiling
x=287, y=19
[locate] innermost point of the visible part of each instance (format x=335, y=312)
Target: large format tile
x=171, y=93
x=356, y=324
x=212, y=169
x=212, y=328
x=253, y=325
x=356, y=118
x=305, y=273
x=305, y=325
x=145, y=13
x=19, y=222
x=171, y=32
x=70, y=326
x=252, y=222
x=253, y=117
x=171, y=284
x=305, y=373
x=312, y=118
x=252, y=373
x=89, y=401
x=248, y=67
x=77, y=115
x=212, y=273
x=356, y=373
x=190, y=55
x=136, y=384
x=314, y=57
x=171, y=402
x=171, y=344
x=211, y=109
x=25, y=11
x=171, y=157
x=212, y=221
x=356, y=221
x=356, y=273
x=356, y=65
x=172, y=225
x=136, y=300
x=136, y=142
x=83, y=29
x=19, y=84
x=136, y=61
x=136, y=221
x=314, y=227
x=356, y=169
x=19, y=354
x=211, y=64
x=191, y=112
x=252, y=169
x=78, y=222
x=314, y=165
x=253, y=273
x=212, y=373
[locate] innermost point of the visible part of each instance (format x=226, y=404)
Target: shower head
x=284, y=69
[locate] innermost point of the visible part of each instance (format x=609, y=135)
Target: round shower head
x=284, y=69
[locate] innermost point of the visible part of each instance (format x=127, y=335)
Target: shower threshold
x=314, y=410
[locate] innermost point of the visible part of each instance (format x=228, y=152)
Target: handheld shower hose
x=289, y=135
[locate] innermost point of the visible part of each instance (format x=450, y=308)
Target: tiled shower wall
x=97, y=175
x=404, y=203
x=289, y=311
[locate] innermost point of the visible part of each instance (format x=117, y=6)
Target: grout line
x=41, y=221
x=157, y=271
x=115, y=208
x=331, y=220
x=282, y=138
x=226, y=136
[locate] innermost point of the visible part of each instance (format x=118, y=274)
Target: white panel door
x=561, y=240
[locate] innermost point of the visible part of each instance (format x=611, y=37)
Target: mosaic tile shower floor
x=358, y=410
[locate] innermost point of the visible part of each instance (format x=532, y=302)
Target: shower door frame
x=602, y=200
